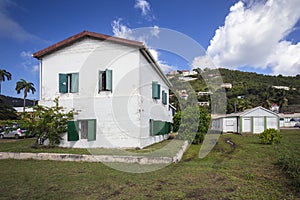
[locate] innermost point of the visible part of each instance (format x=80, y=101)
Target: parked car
x=297, y=125
x=17, y=133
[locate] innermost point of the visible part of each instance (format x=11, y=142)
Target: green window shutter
x=164, y=98
x=108, y=73
x=74, y=82
x=73, y=131
x=155, y=90
x=151, y=127
x=91, y=130
x=100, y=81
x=63, y=83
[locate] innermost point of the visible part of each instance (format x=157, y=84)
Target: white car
x=18, y=133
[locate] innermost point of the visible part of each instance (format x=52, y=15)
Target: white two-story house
x=115, y=85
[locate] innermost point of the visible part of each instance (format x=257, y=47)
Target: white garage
x=254, y=120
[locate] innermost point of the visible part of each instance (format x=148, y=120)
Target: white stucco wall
x=151, y=108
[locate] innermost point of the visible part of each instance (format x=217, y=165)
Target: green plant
x=47, y=123
x=270, y=136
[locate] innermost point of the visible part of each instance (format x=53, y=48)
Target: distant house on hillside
x=226, y=85
x=118, y=89
x=254, y=120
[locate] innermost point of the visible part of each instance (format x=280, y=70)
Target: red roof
x=80, y=36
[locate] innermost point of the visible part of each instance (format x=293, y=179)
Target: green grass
x=248, y=171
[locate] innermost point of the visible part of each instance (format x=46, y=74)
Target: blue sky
x=250, y=35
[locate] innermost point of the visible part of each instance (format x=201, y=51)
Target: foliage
x=192, y=124
x=188, y=123
x=47, y=123
x=256, y=89
x=7, y=112
x=270, y=136
x=4, y=74
x=176, y=121
x=27, y=87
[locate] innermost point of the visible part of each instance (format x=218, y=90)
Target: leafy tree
x=47, y=123
x=27, y=87
x=4, y=74
x=192, y=124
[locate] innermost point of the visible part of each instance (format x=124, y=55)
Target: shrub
x=270, y=136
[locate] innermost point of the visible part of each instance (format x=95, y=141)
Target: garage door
x=246, y=125
x=272, y=122
x=259, y=125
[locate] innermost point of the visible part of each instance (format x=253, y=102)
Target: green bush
x=270, y=136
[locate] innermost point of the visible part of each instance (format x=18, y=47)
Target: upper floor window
x=68, y=83
x=155, y=90
x=164, y=97
x=105, y=80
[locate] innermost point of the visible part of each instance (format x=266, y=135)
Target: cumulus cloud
x=254, y=35
x=145, y=8
x=123, y=31
x=28, y=63
x=202, y=62
x=9, y=28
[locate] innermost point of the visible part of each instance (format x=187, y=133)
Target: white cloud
x=28, y=62
x=9, y=28
x=143, y=5
x=254, y=35
x=202, y=62
x=145, y=8
x=123, y=31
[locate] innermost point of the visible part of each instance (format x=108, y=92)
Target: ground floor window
x=83, y=129
x=158, y=127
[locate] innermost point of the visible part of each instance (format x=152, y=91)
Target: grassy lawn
x=247, y=171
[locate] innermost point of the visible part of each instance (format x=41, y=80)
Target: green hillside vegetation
x=251, y=89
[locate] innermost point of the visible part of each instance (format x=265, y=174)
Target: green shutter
x=73, y=131
x=108, y=74
x=74, y=82
x=155, y=90
x=63, y=83
x=91, y=130
x=151, y=127
x=164, y=97
x=100, y=81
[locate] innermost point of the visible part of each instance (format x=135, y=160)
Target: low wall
x=96, y=158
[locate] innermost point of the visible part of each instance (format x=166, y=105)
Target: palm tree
x=4, y=74
x=27, y=87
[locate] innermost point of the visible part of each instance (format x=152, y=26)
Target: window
x=164, y=97
x=105, y=80
x=158, y=127
x=155, y=90
x=86, y=129
x=68, y=83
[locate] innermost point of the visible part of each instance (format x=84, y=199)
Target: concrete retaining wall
x=95, y=158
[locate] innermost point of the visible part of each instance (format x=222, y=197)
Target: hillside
x=251, y=89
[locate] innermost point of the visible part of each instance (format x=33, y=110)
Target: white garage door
x=230, y=125
x=272, y=122
x=259, y=125
x=246, y=125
